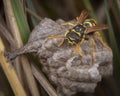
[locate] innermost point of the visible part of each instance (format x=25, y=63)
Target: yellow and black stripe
x=76, y=34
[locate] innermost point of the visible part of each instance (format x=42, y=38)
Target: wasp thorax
x=89, y=23
x=75, y=34
x=79, y=28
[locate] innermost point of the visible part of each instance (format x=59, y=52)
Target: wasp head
x=89, y=23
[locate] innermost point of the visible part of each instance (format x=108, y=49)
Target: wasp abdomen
x=73, y=38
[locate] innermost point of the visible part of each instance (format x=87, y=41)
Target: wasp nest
x=66, y=69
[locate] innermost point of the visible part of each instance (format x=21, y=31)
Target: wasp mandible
x=81, y=31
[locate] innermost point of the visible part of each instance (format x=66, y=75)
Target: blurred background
x=28, y=13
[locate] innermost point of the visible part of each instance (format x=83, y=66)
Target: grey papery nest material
x=69, y=72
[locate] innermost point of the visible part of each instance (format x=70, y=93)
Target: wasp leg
x=69, y=23
x=101, y=40
x=77, y=48
x=81, y=41
x=61, y=42
x=57, y=36
x=93, y=46
x=77, y=19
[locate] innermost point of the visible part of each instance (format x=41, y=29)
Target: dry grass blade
x=30, y=79
x=6, y=34
x=10, y=16
x=42, y=80
x=12, y=22
x=33, y=14
x=10, y=73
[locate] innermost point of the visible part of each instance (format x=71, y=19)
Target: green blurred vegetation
x=28, y=14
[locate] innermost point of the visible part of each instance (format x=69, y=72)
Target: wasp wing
x=96, y=28
x=84, y=14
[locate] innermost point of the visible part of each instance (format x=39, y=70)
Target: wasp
x=81, y=31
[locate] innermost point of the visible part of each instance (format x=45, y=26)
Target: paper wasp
x=81, y=31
